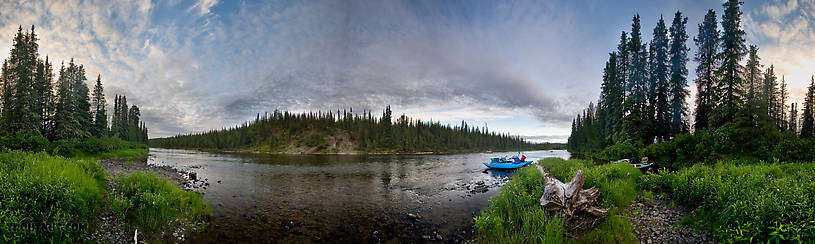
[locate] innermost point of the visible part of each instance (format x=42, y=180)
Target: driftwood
x=570, y=197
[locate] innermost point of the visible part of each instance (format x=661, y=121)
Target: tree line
x=644, y=91
x=369, y=133
x=33, y=104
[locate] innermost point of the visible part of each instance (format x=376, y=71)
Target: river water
x=341, y=198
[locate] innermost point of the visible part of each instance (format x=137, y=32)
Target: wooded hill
x=345, y=131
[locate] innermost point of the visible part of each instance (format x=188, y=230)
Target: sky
x=522, y=67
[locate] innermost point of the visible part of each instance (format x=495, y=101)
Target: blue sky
x=524, y=67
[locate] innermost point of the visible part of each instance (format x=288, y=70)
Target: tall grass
x=55, y=195
x=515, y=214
x=151, y=203
x=747, y=203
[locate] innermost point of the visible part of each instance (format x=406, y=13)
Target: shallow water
x=341, y=198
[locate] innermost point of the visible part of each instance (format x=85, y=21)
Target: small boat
x=503, y=163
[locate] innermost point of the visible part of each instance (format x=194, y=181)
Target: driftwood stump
x=579, y=205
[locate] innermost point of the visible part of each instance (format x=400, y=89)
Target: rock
x=193, y=175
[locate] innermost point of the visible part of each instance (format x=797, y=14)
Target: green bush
x=25, y=141
x=515, y=215
x=746, y=203
x=152, y=203
x=64, y=194
x=618, y=151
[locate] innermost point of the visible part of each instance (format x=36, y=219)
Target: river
x=341, y=198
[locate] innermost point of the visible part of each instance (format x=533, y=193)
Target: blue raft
x=500, y=163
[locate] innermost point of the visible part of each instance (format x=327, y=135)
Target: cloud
x=444, y=61
x=785, y=33
x=203, y=7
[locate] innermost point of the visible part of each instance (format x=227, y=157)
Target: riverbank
x=45, y=198
x=730, y=201
x=114, y=226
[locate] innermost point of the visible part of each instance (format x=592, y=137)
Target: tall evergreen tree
x=659, y=78
x=730, y=73
x=678, y=74
x=611, y=101
x=636, y=125
x=100, y=117
x=65, y=125
x=20, y=100
x=82, y=101
x=707, y=44
x=782, y=102
x=793, y=118
x=807, y=119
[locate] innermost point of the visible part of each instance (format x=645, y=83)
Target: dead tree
x=579, y=205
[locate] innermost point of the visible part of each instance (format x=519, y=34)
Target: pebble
x=654, y=222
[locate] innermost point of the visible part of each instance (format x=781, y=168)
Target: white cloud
x=784, y=31
x=203, y=7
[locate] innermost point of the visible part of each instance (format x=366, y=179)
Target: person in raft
x=523, y=157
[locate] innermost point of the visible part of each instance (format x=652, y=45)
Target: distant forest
x=274, y=132
x=37, y=109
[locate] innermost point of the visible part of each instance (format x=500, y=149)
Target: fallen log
x=570, y=197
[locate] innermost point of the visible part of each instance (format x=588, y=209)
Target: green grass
x=515, y=214
x=38, y=188
x=760, y=202
x=151, y=203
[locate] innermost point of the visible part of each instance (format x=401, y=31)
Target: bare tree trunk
x=570, y=197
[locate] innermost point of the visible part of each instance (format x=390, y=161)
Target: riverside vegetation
x=745, y=169
x=52, y=188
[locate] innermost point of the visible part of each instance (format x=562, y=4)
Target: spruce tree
x=793, y=118
x=730, y=73
x=782, y=102
x=65, y=125
x=637, y=125
x=707, y=44
x=659, y=78
x=807, y=121
x=82, y=103
x=100, y=117
x=678, y=75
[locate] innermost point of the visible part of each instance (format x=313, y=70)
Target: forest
x=42, y=114
x=741, y=162
x=742, y=109
x=273, y=132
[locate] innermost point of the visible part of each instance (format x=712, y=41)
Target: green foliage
x=37, y=188
x=515, y=215
x=746, y=202
x=367, y=133
x=152, y=203
x=618, y=151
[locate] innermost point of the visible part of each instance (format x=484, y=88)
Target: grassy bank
x=738, y=201
x=515, y=215
x=48, y=198
x=39, y=192
x=151, y=203
x=746, y=203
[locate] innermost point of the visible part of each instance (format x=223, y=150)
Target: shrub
x=515, y=215
x=37, y=188
x=618, y=151
x=747, y=203
x=25, y=141
x=152, y=203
